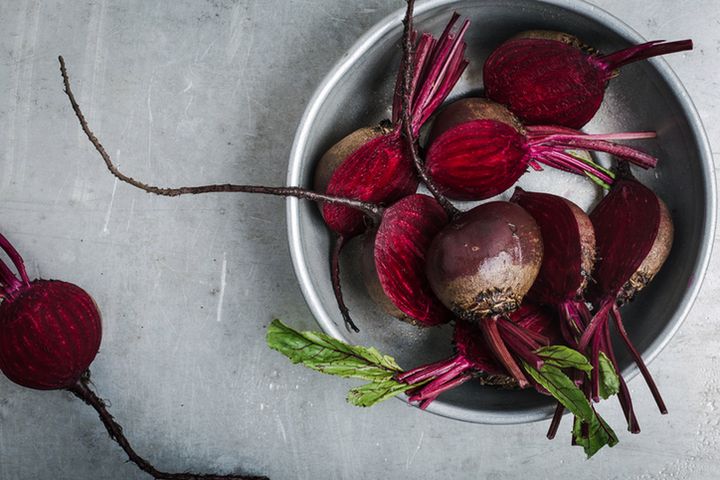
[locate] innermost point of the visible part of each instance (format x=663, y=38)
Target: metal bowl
x=645, y=96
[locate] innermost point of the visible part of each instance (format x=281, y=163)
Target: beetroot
x=568, y=258
x=394, y=260
x=478, y=149
x=481, y=265
x=634, y=235
x=50, y=332
x=374, y=165
x=552, y=78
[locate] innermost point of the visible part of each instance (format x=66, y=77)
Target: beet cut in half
x=477, y=149
x=474, y=359
x=394, y=260
x=568, y=258
x=548, y=77
x=634, y=234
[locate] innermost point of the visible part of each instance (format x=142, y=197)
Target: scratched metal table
x=189, y=91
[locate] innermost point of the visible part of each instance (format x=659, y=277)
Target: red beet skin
x=379, y=171
x=478, y=149
x=548, y=81
x=400, y=247
x=567, y=258
x=626, y=223
x=50, y=332
x=382, y=170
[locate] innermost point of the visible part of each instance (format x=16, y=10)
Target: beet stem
x=9, y=283
x=442, y=383
x=15, y=258
x=638, y=360
x=371, y=210
x=497, y=344
x=406, y=117
x=632, y=54
x=420, y=374
x=587, y=142
x=624, y=393
x=595, y=359
x=83, y=391
x=338, y=244
x=555, y=423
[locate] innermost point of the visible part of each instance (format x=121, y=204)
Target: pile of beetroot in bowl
x=505, y=202
x=520, y=298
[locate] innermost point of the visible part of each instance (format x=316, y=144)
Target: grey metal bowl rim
x=384, y=27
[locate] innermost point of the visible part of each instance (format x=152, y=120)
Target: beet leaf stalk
x=447, y=66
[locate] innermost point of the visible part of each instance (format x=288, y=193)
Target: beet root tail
x=83, y=391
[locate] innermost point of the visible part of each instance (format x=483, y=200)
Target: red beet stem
x=445, y=66
x=632, y=54
x=555, y=423
x=15, y=257
x=574, y=316
x=599, y=320
x=519, y=347
x=83, y=391
x=336, y=248
x=638, y=360
x=497, y=344
x=539, y=131
x=425, y=372
x=591, y=142
x=444, y=381
x=624, y=392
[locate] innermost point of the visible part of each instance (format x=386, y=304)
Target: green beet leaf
x=564, y=357
x=609, y=380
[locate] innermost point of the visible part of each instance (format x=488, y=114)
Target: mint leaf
x=599, y=435
x=609, y=380
x=371, y=393
x=328, y=355
x=562, y=388
x=561, y=356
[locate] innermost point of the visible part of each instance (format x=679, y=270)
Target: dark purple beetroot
x=634, y=234
x=568, y=258
x=481, y=266
x=374, y=165
x=394, y=260
x=50, y=332
x=477, y=149
x=549, y=77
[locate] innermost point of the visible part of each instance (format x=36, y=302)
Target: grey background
x=183, y=92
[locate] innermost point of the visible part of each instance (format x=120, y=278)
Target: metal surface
x=189, y=91
x=647, y=97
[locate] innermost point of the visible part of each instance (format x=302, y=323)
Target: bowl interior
x=645, y=96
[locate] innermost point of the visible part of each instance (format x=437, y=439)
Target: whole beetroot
x=548, y=77
x=50, y=332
